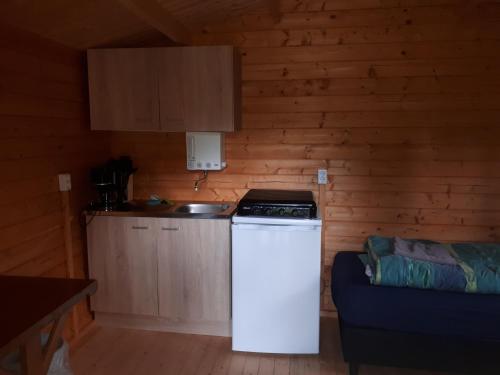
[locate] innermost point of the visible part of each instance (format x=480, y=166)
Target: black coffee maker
x=111, y=181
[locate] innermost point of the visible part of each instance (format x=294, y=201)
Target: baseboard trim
x=151, y=323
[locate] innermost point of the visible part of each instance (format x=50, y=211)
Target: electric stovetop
x=277, y=203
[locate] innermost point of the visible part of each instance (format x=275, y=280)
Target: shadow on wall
x=446, y=189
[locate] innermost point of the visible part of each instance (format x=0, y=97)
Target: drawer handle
x=170, y=228
x=139, y=227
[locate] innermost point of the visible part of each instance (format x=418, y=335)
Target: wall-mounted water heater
x=205, y=151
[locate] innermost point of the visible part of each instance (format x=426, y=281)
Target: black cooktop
x=280, y=203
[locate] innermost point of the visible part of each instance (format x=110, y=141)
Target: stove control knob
x=281, y=212
x=269, y=211
x=257, y=212
x=295, y=213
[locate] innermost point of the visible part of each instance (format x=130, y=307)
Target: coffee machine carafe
x=111, y=181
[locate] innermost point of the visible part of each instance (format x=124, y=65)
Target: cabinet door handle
x=139, y=227
x=170, y=228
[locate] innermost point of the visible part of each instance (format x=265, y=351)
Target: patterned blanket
x=477, y=269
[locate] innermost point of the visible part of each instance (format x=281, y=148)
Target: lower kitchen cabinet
x=161, y=274
x=123, y=259
x=194, y=270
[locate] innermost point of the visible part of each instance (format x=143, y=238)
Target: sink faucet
x=200, y=180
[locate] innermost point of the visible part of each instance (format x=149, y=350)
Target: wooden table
x=28, y=305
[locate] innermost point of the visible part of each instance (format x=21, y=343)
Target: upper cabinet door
x=210, y=88
x=123, y=89
x=171, y=89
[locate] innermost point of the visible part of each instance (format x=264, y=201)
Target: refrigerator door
x=276, y=288
x=266, y=220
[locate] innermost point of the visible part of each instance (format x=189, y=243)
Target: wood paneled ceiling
x=84, y=24
x=198, y=13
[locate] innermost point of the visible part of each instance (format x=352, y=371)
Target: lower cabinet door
x=194, y=270
x=123, y=260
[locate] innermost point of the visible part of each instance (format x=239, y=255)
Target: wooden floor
x=124, y=351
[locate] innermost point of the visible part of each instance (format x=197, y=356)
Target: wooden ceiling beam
x=158, y=17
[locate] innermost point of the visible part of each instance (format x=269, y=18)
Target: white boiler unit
x=205, y=151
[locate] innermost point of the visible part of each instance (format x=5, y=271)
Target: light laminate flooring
x=124, y=351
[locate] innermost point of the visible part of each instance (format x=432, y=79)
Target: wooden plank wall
x=398, y=99
x=44, y=130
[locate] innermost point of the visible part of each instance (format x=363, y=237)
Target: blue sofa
x=417, y=328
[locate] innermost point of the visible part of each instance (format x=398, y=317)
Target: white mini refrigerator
x=276, y=284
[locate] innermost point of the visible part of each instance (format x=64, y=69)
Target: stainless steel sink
x=202, y=208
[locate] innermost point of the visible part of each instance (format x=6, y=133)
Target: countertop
x=142, y=209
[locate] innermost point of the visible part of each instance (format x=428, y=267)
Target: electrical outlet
x=322, y=176
x=64, y=182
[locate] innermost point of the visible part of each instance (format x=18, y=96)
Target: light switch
x=322, y=176
x=64, y=182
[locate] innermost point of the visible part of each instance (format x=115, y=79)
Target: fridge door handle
x=277, y=228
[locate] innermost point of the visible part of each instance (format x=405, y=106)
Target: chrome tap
x=200, y=180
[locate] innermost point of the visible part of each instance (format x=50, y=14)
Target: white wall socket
x=322, y=176
x=64, y=182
